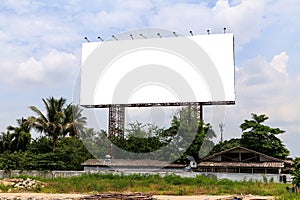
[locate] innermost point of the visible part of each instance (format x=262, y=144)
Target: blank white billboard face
x=158, y=70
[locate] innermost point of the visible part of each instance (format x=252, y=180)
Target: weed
x=289, y=196
x=155, y=184
x=265, y=179
x=4, y=188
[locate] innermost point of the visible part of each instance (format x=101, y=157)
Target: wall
x=246, y=176
x=46, y=174
x=182, y=173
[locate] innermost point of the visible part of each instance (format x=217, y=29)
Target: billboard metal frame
x=161, y=104
x=116, y=112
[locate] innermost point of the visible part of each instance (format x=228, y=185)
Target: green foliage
x=288, y=196
x=72, y=151
x=69, y=155
x=61, y=124
x=155, y=184
x=187, y=136
x=140, y=138
x=59, y=119
x=11, y=161
x=51, y=123
x=296, y=177
x=140, y=145
x=4, y=188
x=40, y=145
x=227, y=144
x=196, y=135
x=258, y=137
x=74, y=122
x=297, y=163
x=5, y=141
x=97, y=142
x=60, y=147
x=265, y=179
x=16, y=138
x=20, y=136
x=262, y=138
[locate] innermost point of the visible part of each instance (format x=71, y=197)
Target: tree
x=72, y=152
x=13, y=160
x=20, y=135
x=262, y=138
x=296, y=178
x=227, y=144
x=96, y=142
x=41, y=145
x=139, y=138
x=296, y=173
x=297, y=163
x=201, y=144
x=52, y=122
x=5, y=141
x=192, y=134
x=74, y=122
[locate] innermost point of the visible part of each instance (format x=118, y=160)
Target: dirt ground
x=41, y=195
x=212, y=197
x=159, y=197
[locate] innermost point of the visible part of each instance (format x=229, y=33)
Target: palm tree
x=5, y=141
x=20, y=136
x=74, y=123
x=52, y=122
x=296, y=178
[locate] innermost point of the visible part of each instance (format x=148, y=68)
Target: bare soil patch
x=116, y=196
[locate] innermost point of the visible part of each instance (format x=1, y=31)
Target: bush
x=69, y=155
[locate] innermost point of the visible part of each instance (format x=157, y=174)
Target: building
x=127, y=165
x=240, y=163
x=241, y=160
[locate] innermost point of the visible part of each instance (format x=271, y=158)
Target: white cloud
x=284, y=13
x=245, y=19
x=263, y=89
x=30, y=70
x=52, y=68
x=117, y=16
x=262, y=82
x=18, y=6
x=115, y=19
x=259, y=72
x=279, y=62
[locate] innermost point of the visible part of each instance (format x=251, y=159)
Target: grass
x=154, y=184
x=288, y=197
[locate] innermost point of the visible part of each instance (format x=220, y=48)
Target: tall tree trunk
x=54, y=144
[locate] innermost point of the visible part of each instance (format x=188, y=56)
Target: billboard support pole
x=197, y=108
x=201, y=111
x=116, y=120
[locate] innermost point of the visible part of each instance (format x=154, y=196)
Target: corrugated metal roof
x=208, y=158
x=242, y=164
x=127, y=162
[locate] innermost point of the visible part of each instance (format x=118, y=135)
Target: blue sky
x=41, y=50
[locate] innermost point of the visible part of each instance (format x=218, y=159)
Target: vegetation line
x=155, y=184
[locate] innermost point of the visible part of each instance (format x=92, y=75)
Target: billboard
x=159, y=71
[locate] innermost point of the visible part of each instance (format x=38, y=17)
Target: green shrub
x=4, y=188
x=289, y=196
x=265, y=179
